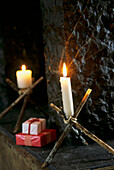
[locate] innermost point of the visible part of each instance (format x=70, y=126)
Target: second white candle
x=24, y=78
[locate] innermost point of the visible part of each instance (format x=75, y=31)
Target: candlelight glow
x=23, y=67
x=64, y=70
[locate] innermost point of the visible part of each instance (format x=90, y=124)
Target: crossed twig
x=23, y=93
x=70, y=122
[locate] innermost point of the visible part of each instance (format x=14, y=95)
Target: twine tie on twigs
x=70, y=122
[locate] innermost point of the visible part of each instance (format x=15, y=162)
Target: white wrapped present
x=33, y=126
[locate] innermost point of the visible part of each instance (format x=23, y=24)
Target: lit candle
x=24, y=78
x=66, y=93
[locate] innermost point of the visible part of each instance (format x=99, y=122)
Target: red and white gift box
x=33, y=126
x=45, y=137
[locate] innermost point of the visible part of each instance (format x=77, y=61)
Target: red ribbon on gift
x=33, y=120
x=28, y=141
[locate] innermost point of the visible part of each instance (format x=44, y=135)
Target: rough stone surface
x=89, y=58
x=14, y=157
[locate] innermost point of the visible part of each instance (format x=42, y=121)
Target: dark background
x=22, y=43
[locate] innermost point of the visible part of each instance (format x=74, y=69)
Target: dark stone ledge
x=78, y=157
x=17, y=157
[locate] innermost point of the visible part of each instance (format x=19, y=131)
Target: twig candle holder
x=70, y=122
x=23, y=93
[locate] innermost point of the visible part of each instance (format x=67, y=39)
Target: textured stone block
x=77, y=33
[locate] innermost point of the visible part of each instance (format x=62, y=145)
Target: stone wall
x=80, y=33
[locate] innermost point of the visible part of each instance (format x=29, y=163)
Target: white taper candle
x=67, y=93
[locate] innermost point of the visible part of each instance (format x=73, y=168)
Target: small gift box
x=45, y=137
x=33, y=126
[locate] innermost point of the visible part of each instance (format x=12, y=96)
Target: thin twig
x=21, y=113
x=27, y=91
x=95, y=138
x=65, y=132
x=57, y=145
x=78, y=110
x=11, y=84
x=89, y=134
x=63, y=115
x=59, y=111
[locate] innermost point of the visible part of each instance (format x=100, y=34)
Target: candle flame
x=23, y=67
x=64, y=70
